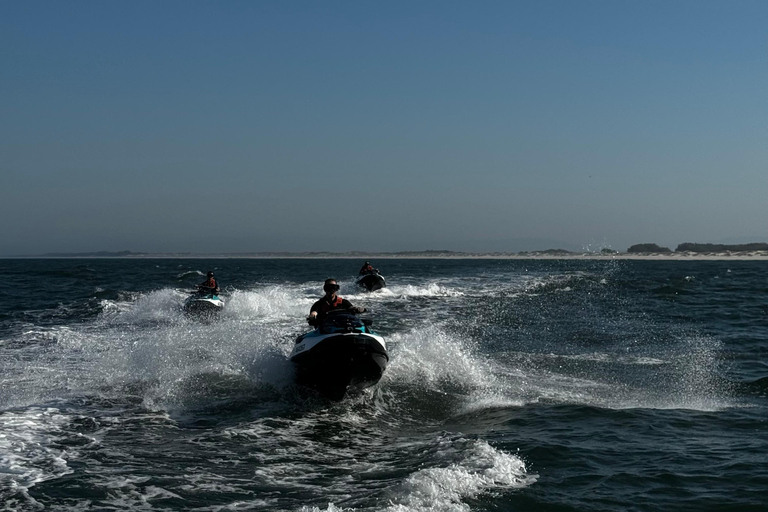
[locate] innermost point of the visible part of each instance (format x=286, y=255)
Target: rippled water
x=513, y=385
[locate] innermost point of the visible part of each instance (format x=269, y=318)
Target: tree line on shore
x=694, y=247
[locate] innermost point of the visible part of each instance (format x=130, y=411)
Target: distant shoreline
x=671, y=256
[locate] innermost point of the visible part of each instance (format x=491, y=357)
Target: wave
x=684, y=376
x=158, y=306
x=557, y=283
x=30, y=452
x=481, y=468
x=761, y=384
x=270, y=303
x=757, y=387
x=189, y=273
x=460, y=469
x=429, y=356
x=150, y=344
x=427, y=290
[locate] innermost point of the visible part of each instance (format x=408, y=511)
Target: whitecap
x=27, y=451
x=481, y=469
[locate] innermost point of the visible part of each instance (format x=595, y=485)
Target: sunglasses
x=331, y=287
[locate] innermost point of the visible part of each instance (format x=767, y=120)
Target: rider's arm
x=345, y=304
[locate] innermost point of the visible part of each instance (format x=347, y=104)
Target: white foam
x=405, y=292
x=267, y=304
x=150, y=341
x=157, y=306
x=429, y=290
x=189, y=273
x=461, y=469
x=602, y=357
x=331, y=508
x=430, y=357
x=130, y=493
x=532, y=284
x=27, y=455
x=682, y=378
x=442, y=489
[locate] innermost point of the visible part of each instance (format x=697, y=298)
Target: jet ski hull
x=334, y=364
x=372, y=282
x=204, y=306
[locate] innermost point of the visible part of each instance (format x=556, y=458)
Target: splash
x=442, y=489
x=151, y=345
x=462, y=469
x=267, y=304
x=430, y=357
x=28, y=453
x=158, y=306
x=683, y=376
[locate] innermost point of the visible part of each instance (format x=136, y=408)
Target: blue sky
x=381, y=126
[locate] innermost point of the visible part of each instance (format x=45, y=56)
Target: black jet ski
x=340, y=355
x=371, y=281
x=203, y=304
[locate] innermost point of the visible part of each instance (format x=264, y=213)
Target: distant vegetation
x=648, y=248
x=699, y=248
x=692, y=247
x=555, y=251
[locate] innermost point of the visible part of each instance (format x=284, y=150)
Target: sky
x=381, y=126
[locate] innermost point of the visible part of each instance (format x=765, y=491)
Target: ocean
x=513, y=385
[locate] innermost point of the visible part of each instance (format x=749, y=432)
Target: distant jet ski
x=371, y=281
x=341, y=355
x=203, y=304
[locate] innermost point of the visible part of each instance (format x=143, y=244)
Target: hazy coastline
x=533, y=255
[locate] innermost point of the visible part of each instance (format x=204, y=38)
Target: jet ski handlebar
x=315, y=322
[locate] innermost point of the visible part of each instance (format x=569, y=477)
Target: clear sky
x=381, y=126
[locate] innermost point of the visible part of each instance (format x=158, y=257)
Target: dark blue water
x=557, y=385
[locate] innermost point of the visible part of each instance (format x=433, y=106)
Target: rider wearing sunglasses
x=330, y=302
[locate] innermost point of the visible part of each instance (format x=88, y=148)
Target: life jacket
x=209, y=283
x=326, y=306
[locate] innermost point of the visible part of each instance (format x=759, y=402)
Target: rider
x=330, y=302
x=209, y=286
x=367, y=269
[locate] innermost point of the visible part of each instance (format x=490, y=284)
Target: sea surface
x=513, y=385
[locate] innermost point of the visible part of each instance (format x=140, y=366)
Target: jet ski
x=342, y=354
x=203, y=304
x=371, y=281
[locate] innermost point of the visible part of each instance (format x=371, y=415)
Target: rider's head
x=210, y=273
x=330, y=286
